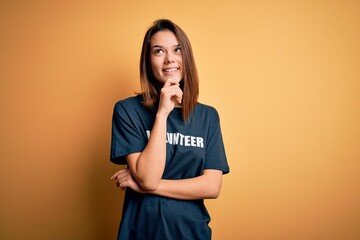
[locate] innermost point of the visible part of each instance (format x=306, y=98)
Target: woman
x=171, y=144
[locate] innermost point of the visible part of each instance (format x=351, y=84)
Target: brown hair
x=190, y=83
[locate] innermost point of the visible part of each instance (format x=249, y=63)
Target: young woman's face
x=165, y=56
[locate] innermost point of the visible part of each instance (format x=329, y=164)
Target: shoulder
x=129, y=104
x=206, y=111
x=130, y=107
x=130, y=101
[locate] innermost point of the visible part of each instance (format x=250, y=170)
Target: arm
x=206, y=186
x=148, y=166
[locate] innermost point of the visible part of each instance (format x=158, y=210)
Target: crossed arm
x=206, y=186
x=146, y=168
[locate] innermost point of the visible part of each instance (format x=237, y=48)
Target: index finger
x=171, y=81
x=118, y=173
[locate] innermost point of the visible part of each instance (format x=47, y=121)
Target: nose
x=169, y=58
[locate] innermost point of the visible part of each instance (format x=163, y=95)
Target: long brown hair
x=151, y=87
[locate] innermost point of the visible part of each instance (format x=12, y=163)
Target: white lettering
x=169, y=138
x=182, y=140
x=200, y=142
x=187, y=140
x=176, y=138
x=193, y=144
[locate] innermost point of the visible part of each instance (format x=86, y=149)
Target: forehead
x=164, y=38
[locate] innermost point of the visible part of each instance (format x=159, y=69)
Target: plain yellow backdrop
x=284, y=76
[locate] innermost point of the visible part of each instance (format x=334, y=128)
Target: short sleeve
x=126, y=138
x=215, y=156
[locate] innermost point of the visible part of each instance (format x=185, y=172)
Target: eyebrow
x=159, y=46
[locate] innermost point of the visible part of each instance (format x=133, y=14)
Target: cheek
x=179, y=60
x=155, y=65
x=156, y=69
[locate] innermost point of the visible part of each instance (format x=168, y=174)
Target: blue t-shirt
x=191, y=148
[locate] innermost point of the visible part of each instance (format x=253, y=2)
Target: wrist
x=162, y=115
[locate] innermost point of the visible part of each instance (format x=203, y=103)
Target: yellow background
x=284, y=76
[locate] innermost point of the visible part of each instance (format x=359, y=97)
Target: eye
x=178, y=50
x=158, y=51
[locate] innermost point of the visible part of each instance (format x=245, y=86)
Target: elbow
x=147, y=182
x=148, y=185
x=214, y=193
x=213, y=190
x=213, y=182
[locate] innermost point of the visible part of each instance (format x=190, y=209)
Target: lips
x=169, y=70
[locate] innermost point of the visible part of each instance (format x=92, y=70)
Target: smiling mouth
x=170, y=70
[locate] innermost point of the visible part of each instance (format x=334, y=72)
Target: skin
x=146, y=168
x=166, y=57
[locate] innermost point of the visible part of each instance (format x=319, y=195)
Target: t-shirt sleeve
x=126, y=137
x=215, y=156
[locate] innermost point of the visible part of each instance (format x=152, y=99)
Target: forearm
x=149, y=166
x=206, y=186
